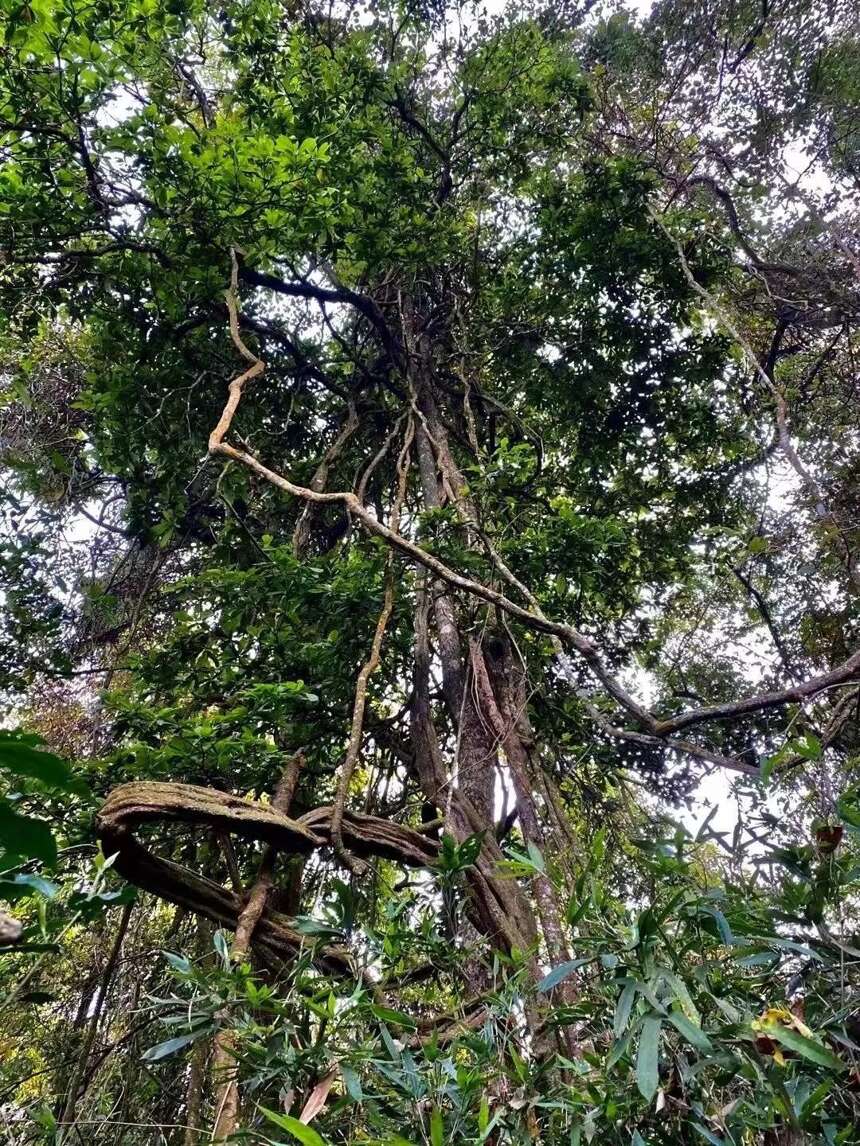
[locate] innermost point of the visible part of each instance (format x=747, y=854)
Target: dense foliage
x=428, y=572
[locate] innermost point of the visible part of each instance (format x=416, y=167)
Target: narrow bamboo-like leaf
x=647, y=1057
x=222, y=947
x=390, y=1045
x=722, y=924
x=618, y=1049
x=352, y=1082
x=561, y=972
x=24, y=884
x=299, y=1131
x=315, y=928
x=691, y=1031
x=169, y=1046
x=731, y=1012
x=622, y=1010
x=398, y=1018
x=177, y=962
x=708, y=1135
x=816, y=1098
x=760, y=959
x=576, y=908
x=789, y=945
x=535, y=856
x=491, y=1125
x=679, y=989
x=811, y=1049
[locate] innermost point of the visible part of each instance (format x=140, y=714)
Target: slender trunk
x=224, y=1057
x=195, y=1089
x=496, y=907
x=67, y=1115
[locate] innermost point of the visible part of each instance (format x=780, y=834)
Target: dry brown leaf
x=317, y=1100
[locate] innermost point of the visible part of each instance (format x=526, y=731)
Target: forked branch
x=565, y=636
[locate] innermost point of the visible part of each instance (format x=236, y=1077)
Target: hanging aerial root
x=368, y=669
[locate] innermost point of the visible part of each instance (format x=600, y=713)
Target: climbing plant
x=428, y=573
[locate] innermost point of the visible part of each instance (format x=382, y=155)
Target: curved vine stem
x=357, y=867
x=532, y=616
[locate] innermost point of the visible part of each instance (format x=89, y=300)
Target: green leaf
x=679, y=989
x=848, y=807
x=170, y=1046
x=25, y=883
x=647, y=1057
x=177, y=962
x=811, y=1049
x=789, y=945
x=561, y=972
x=617, y=1050
x=708, y=1135
x=731, y=1012
x=765, y=772
x=299, y=1131
x=43, y=1116
x=576, y=908
x=389, y=1042
x=816, y=1098
x=222, y=947
x=721, y=922
x=691, y=1031
x=306, y=925
x=352, y=1083
x=25, y=837
x=25, y=760
x=808, y=746
x=622, y=1010
x=398, y=1018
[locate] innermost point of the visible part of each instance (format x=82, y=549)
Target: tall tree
x=410, y=384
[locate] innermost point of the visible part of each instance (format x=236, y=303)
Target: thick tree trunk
x=475, y=763
x=496, y=907
x=487, y=710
